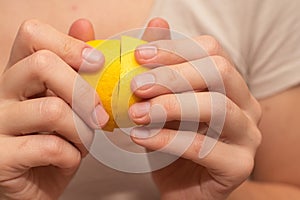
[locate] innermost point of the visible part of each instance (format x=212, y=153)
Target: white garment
x=262, y=37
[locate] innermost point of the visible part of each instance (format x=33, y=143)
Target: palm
x=183, y=179
x=41, y=182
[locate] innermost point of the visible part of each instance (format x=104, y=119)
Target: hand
x=40, y=145
x=182, y=87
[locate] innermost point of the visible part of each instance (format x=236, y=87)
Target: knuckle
x=257, y=110
x=178, y=72
x=83, y=91
x=25, y=144
x=171, y=78
x=167, y=47
x=53, y=109
x=68, y=48
x=213, y=45
x=222, y=106
x=164, y=138
x=224, y=66
x=172, y=74
x=225, y=71
x=254, y=113
x=243, y=163
x=56, y=148
x=53, y=147
x=42, y=62
x=171, y=104
x=244, y=170
x=230, y=108
x=28, y=29
x=197, y=145
x=256, y=137
x=75, y=162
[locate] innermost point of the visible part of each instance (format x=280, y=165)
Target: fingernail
x=139, y=81
x=146, y=51
x=141, y=133
x=100, y=116
x=140, y=109
x=92, y=56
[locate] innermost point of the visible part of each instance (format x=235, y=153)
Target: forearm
x=257, y=190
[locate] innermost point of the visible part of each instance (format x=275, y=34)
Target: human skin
x=42, y=60
x=278, y=110
x=264, y=183
x=230, y=162
x=32, y=100
x=29, y=73
x=274, y=185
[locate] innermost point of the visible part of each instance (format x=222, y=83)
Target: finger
x=40, y=150
x=48, y=114
x=34, y=36
x=199, y=127
x=82, y=29
x=213, y=73
x=196, y=107
x=220, y=158
x=157, y=29
x=45, y=70
x=169, y=52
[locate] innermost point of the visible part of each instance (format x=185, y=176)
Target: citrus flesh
x=112, y=83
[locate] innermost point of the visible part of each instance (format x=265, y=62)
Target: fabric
x=261, y=36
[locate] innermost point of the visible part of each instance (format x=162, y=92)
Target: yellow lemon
x=112, y=83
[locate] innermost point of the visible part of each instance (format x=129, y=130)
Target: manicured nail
x=100, y=116
x=140, y=109
x=92, y=56
x=147, y=51
x=141, y=80
x=141, y=133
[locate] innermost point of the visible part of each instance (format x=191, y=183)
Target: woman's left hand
x=185, y=87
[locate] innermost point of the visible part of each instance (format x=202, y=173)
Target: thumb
x=157, y=29
x=82, y=29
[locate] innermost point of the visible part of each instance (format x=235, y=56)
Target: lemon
x=112, y=83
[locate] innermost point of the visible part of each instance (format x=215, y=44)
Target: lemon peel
x=112, y=83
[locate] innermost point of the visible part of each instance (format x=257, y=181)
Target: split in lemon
x=112, y=83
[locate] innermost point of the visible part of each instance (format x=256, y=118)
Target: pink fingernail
x=93, y=60
x=141, y=133
x=142, y=80
x=100, y=116
x=140, y=109
x=92, y=55
x=146, y=51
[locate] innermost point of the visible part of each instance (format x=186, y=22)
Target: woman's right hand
x=40, y=147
